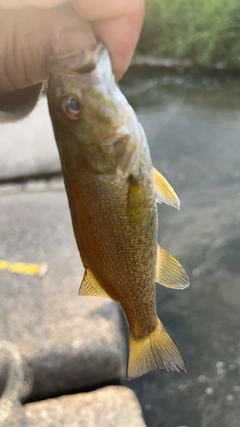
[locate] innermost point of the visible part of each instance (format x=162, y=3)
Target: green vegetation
x=205, y=31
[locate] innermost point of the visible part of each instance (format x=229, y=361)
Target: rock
x=113, y=406
x=27, y=147
x=69, y=342
x=15, y=385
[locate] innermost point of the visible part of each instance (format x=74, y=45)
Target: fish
x=113, y=191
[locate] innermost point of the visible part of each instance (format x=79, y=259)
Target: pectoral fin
x=137, y=198
x=90, y=286
x=164, y=191
x=169, y=271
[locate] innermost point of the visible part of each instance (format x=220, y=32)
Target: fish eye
x=72, y=108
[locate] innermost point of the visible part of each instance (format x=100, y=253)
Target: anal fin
x=164, y=191
x=90, y=286
x=169, y=271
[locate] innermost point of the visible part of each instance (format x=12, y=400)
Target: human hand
x=32, y=30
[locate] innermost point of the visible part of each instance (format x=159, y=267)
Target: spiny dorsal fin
x=169, y=271
x=90, y=286
x=164, y=191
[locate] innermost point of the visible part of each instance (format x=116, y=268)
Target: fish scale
x=112, y=190
x=95, y=227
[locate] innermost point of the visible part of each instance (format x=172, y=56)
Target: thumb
x=29, y=36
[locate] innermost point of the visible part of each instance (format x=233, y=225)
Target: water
x=192, y=120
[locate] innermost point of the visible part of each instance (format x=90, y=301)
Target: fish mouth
x=118, y=133
x=82, y=62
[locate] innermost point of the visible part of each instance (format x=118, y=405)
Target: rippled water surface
x=192, y=120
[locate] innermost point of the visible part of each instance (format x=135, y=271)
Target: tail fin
x=157, y=350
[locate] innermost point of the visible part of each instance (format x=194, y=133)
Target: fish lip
x=110, y=139
x=82, y=61
x=121, y=131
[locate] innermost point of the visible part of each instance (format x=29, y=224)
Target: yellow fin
x=90, y=286
x=164, y=191
x=169, y=271
x=157, y=350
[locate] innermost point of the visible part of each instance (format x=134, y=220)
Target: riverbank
x=205, y=32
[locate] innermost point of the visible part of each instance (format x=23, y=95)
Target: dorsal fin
x=169, y=272
x=164, y=191
x=90, y=286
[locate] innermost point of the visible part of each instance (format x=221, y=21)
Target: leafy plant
x=204, y=30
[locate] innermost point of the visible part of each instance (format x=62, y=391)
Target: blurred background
x=190, y=109
x=204, y=31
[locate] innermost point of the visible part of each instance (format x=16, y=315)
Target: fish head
x=90, y=115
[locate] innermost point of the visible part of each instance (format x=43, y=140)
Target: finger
x=20, y=4
x=95, y=10
x=118, y=24
x=44, y=3
x=121, y=44
x=30, y=36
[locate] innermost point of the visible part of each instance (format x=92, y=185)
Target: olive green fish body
x=117, y=244
x=107, y=171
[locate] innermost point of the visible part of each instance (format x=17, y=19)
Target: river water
x=192, y=120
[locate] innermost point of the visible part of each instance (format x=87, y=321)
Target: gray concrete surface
x=28, y=147
x=106, y=407
x=15, y=384
x=192, y=123
x=198, y=151
x=70, y=342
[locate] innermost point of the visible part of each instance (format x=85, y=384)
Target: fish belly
x=118, y=247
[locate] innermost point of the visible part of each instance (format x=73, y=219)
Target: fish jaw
x=108, y=177
x=86, y=75
x=103, y=139
x=93, y=66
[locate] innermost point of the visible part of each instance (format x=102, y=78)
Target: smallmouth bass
x=112, y=190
